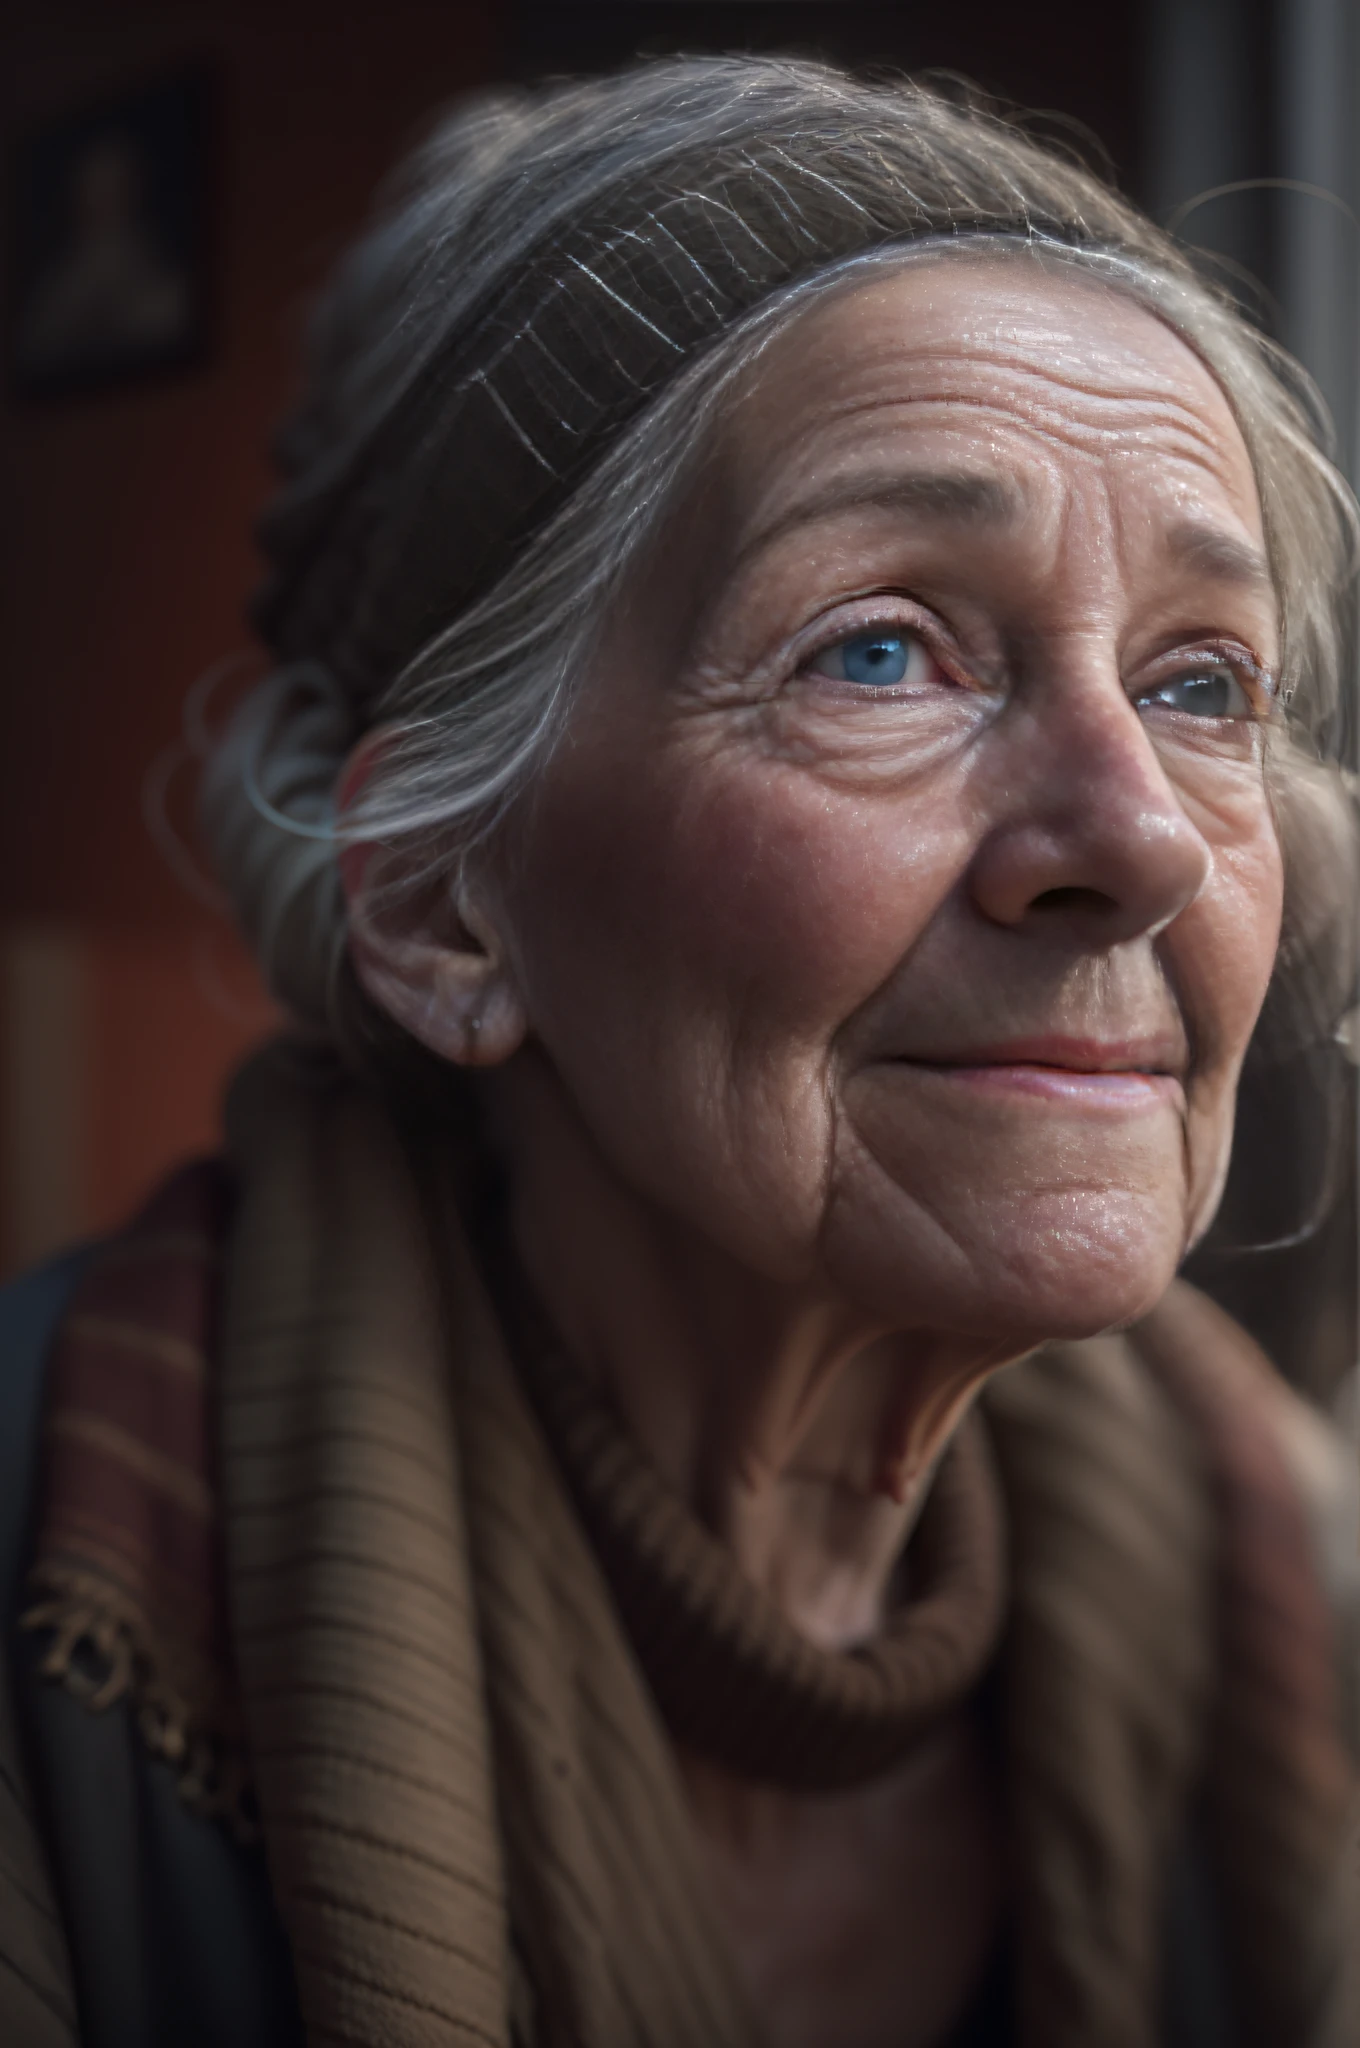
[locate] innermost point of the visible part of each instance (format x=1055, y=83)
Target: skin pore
x=863, y=989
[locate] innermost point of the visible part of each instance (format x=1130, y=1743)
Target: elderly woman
x=797, y=622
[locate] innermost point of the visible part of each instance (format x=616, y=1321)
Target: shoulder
x=36, y=1996
x=1230, y=1394
x=1202, y=1560
x=169, y=1923
x=1326, y=1472
x=30, y=1309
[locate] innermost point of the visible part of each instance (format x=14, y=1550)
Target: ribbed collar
x=734, y=1679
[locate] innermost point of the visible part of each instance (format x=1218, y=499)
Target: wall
x=125, y=558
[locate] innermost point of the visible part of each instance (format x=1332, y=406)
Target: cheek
x=691, y=940
x=1221, y=954
x=1222, y=950
x=736, y=895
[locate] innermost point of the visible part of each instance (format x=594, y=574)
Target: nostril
x=1074, y=899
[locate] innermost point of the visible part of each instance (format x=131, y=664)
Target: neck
x=802, y=1432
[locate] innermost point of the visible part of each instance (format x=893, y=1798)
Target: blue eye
x=880, y=659
x=1203, y=693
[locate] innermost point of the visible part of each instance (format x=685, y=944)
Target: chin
x=1083, y=1305
x=1020, y=1273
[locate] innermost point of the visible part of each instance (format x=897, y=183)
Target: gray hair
x=471, y=711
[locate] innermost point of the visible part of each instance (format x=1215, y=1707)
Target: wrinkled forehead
x=991, y=366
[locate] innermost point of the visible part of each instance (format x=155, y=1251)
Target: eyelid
x=1231, y=654
x=879, y=611
x=1250, y=672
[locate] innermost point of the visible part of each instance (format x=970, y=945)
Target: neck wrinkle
x=735, y=1680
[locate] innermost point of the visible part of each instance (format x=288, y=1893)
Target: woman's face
x=898, y=909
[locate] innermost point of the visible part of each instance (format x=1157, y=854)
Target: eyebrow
x=967, y=497
x=1221, y=555
x=963, y=496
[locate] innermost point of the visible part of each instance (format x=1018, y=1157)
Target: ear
x=433, y=959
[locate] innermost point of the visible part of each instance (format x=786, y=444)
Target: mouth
x=1091, y=1073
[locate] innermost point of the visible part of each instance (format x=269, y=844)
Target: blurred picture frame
x=110, y=240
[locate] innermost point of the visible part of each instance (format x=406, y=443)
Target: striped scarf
x=302, y=1513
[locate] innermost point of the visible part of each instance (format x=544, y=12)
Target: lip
x=1162, y=1054
x=1121, y=1089
x=1121, y=1074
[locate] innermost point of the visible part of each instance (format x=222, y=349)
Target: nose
x=1090, y=837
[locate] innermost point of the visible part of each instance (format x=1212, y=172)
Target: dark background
x=171, y=130
x=125, y=555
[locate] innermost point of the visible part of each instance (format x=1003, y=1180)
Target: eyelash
x=1257, y=684
x=913, y=626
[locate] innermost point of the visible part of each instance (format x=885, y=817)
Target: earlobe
x=449, y=991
